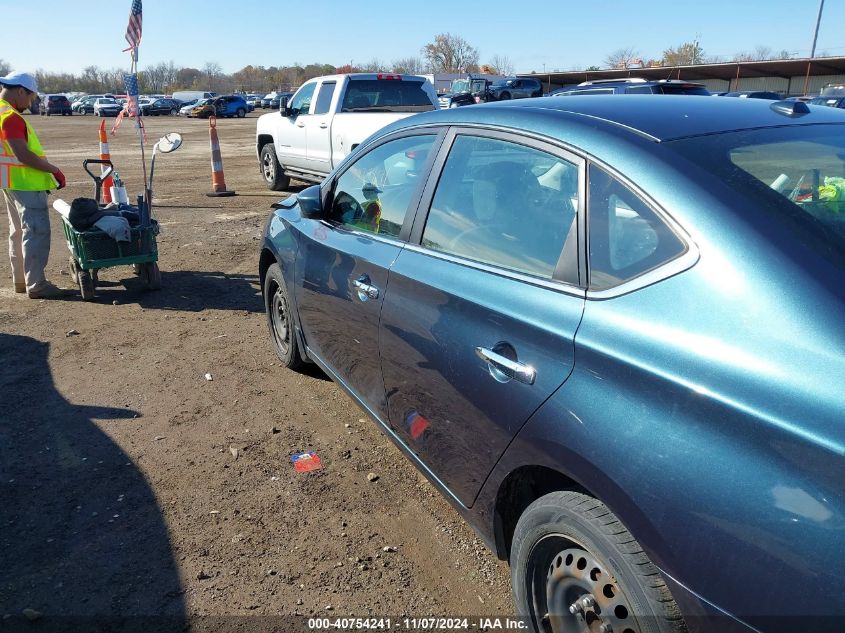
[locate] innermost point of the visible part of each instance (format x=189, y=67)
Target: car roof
x=657, y=117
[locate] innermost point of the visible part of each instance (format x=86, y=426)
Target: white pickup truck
x=328, y=117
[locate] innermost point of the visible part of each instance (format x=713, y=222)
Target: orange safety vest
x=14, y=174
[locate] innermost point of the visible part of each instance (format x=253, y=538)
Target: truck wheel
x=575, y=567
x=272, y=171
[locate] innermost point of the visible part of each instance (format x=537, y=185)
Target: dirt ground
x=136, y=492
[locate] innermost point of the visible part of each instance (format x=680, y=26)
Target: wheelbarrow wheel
x=151, y=275
x=86, y=284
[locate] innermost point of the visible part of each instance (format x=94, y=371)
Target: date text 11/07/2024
x=419, y=624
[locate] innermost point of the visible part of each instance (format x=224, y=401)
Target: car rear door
x=479, y=320
x=343, y=262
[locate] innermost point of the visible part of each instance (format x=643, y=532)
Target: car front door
x=318, y=129
x=342, y=266
x=291, y=138
x=479, y=320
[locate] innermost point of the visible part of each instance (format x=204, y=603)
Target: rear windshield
x=796, y=173
x=669, y=89
x=385, y=95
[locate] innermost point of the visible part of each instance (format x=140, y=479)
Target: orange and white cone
x=217, y=180
x=104, y=155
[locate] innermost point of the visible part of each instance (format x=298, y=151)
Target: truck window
x=324, y=97
x=385, y=95
x=301, y=102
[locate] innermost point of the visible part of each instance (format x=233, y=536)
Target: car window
x=505, y=204
x=324, y=97
x=626, y=237
x=301, y=102
x=639, y=90
x=374, y=193
x=386, y=95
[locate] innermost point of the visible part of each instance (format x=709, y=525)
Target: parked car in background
x=830, y=101
x=275, y=101
x=186, y=108
x=85, y=105
x=105, y=106
x=227, y=106
x=634, y=86
x=55, y=104
x=266, y=99
x=161, y=106
x=514, y=88
x=192, y=95
x=253, y=100
x=328, y=117
x=611, y=336
x=753, y=94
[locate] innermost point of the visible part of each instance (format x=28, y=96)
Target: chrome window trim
x=378, y=237
x=549, y=284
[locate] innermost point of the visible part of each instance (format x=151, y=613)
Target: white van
x=192, y=95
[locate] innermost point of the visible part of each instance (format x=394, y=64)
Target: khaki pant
x=29, y=235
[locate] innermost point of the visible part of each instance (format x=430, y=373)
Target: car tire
x=272, y=171
x=174, y=112
x=241, y=113
x=569, y=547
x=505, y=96
x=277, y=307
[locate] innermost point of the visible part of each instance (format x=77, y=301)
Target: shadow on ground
x=188, y=290
x=82, y=538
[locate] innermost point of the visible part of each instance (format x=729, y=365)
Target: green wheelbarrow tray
x=94, y=249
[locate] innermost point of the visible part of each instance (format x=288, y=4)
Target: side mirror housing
x=310, y=203
x=283, y=107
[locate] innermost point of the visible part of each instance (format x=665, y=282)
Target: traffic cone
x=104, y=155
x=217, y=180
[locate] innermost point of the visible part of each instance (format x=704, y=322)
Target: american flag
x=133, y=31
x=130, y=82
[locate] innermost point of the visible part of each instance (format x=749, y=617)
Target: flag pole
x=139, y=126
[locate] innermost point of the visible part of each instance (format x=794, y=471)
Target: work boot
x=20, y=288
x=47, y=290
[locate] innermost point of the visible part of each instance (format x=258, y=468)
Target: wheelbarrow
x=93, y=249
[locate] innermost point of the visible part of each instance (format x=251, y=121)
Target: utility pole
x=813, y=49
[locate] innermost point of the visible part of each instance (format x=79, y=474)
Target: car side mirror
x=283, y=107
x=310, y=203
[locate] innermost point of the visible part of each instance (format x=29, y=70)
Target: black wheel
x=174, y=112
x=150, y=275
x=241, y=113
x=505, y=96
x=575, y=567
x=280, y=319
x=86, y=284
x=274, y=175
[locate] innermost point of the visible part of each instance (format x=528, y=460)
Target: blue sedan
x=611, y=334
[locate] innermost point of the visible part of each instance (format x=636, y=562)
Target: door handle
x=365, y=289
x=510, y=368
x=300, y=125
x=323, y=126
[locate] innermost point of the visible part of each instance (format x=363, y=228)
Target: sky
x=61, y=36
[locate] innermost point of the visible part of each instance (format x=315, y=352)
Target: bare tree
x=5, y=69
x=409, y=66
x=375, y=65
x=450, y=54
x=212, y=72
x=762, y=52
x=623, y=58
x=501, y=65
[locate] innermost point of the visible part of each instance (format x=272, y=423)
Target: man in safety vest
x=25, y=178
